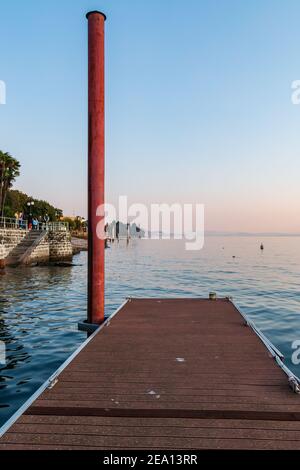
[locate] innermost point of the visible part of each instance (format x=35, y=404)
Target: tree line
x=13, y=201
x=9, y=170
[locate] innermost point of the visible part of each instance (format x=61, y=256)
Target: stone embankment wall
x=54, y=246
x=9, y=239
x=60, y=246
x=40, y=253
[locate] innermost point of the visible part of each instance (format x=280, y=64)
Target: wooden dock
x=166, y=374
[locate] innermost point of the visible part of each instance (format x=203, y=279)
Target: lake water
x=40, y=307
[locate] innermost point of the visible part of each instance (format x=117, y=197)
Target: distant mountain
x=231, y=234
x=251, y=234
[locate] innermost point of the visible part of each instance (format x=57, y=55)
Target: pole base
x=87, y=327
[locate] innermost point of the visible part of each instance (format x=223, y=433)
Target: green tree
x=9, y=171
x=16, y=201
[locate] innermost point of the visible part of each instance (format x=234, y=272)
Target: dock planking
x=166, y=374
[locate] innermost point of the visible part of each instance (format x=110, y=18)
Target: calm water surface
x=40, y=307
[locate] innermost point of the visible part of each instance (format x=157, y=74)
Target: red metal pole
x=96, y=153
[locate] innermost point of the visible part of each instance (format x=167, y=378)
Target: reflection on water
x=40, y=307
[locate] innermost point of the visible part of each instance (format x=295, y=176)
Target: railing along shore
x=20, y=224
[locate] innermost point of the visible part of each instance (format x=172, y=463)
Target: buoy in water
x=262, y=247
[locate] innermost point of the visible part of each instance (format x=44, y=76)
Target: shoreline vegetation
x=9, y=171
x=14, y=202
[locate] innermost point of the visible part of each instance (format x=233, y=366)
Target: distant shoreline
x=252, y=234
x=242, y=234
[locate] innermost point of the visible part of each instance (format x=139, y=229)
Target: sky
x=198, y=105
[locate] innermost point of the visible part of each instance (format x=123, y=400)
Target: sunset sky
x=198, y=102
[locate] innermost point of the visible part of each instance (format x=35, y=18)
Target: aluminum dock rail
x=165, y=374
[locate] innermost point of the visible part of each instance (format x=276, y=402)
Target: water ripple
x=40, y=307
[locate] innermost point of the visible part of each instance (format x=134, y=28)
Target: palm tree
x=9, y=170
